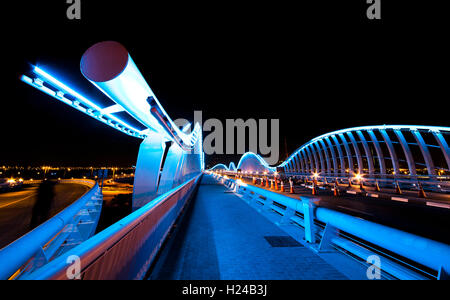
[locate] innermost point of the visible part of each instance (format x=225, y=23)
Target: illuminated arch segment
x=351, y=145
x=219, y=167
x=251, y=162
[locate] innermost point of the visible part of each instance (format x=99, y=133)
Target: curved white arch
x=259, y=159
x=219, y=166
x=437, y=132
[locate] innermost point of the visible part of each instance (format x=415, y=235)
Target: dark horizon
x=320, y=68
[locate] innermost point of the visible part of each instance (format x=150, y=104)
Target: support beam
x=380, y=154
x=444, y=147
x=316, y=160
x=407, y=151
x=310, y=160
x=357, y=152
x=323, y=170
x=425, y=152
x=299, y=164
x=339, y=150
x=391, y=149
x=327, y=156
x=367, y=150
x=349, y=153
x=305, y=160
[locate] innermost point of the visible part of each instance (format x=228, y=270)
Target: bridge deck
x=221, y=237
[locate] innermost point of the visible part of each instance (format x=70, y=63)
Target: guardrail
x=437, y=184
x=126, y=249
x=405, y=255
x=54, y=237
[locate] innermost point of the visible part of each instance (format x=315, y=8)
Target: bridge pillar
x=147, y=170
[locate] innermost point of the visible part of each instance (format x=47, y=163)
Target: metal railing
x=126, y=249
x=436, y=184
x=406, y=256
x=68, y=228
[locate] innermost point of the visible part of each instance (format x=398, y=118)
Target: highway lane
x=20, y=211
x=430, y=222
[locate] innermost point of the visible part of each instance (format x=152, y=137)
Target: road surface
x=20, y=211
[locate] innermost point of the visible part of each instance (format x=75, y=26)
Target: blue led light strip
x=60, y=90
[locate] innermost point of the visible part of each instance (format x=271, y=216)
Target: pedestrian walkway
x=221, y=237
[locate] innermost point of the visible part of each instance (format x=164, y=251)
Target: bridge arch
x=405, y=150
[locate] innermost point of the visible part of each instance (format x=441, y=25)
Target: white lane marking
x=441, y=205
x=351, y=192
x=399, y=199
x=373, y=195
x=11, y=203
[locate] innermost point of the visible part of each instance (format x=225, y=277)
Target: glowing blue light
x=130, y=90
x=63, y=89
x=259, y=158
x=219, y=166
x=67, y=90
x=365, y=128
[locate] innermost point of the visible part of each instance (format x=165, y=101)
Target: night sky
x=318, y=67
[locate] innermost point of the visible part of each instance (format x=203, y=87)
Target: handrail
x=17, y=253
x=94, y=249
x=429, y=253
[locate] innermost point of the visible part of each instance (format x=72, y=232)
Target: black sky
x=318, y=66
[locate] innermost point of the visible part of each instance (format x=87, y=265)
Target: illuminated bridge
x=375, y=151
x=361, y=203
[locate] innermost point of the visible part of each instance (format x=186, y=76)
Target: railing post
x=308, y=216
